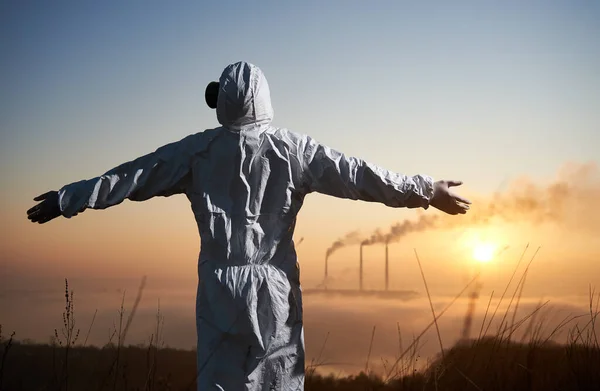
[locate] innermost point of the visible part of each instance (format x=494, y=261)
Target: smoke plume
x=568, y=200
x=348, y=240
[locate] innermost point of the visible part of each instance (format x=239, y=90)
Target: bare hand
x=446, y=201
x=46, y=210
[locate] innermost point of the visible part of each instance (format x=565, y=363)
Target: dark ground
x=490, y=364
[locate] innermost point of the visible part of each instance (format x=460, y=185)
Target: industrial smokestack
x=466, y=332
x=326, y=273
x=360, y=270
x=387, y=270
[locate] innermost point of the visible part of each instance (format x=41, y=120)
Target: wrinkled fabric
x=246, y=181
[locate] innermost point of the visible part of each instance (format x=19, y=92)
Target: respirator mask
x=211, y=94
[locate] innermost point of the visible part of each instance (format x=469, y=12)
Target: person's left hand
x=46, y=210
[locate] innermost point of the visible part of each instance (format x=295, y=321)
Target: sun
x=484, y=252
x=482, y=246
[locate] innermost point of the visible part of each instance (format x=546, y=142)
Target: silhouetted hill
x=488, y=364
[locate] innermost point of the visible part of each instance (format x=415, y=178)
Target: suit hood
x=244, y=97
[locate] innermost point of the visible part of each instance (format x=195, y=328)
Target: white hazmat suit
x=246, y=181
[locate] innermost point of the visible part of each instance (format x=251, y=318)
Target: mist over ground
x=338, y=330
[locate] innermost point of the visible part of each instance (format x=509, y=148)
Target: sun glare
x=484, y=252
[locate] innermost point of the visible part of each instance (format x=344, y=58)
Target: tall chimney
x=360, y=272
x=387, y=270
x=326, y=264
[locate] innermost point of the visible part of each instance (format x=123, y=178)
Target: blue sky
x=513, y=87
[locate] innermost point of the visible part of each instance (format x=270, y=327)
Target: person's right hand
x=46, y=210
x=446, y=201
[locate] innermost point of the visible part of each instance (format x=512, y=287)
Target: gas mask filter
x=211, y=94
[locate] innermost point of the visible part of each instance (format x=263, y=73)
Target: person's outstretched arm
x=331, y=172
x=161, y=173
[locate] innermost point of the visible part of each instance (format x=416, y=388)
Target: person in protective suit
x=246, y=181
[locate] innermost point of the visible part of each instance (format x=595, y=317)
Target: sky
x=503, y=96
